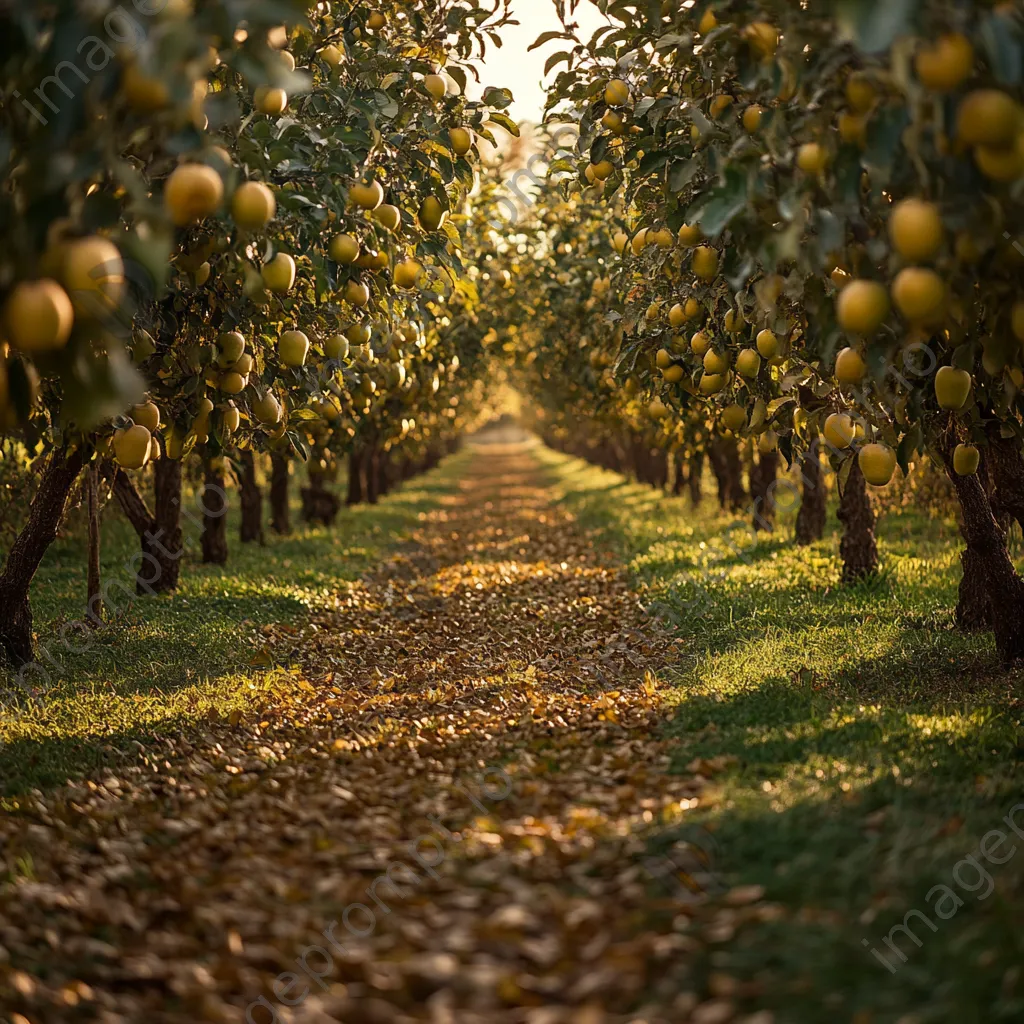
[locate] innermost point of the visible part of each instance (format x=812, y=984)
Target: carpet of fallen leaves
x=481, y=716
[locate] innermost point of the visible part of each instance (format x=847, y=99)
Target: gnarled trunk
x=694, y=480
x=1005, y=464
x=160, y=532
x=987, y=559
x=373, y=475
x=810, y=519
x=250, y=499
x=280, y=521
x=38, y=533
x=857, y=548
x=763, y=471
x=215, y=523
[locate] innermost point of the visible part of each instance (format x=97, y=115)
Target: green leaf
x=505, y=122
x=546, y=37
x=555, y=59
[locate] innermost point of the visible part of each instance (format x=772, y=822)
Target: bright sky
x=514, y=68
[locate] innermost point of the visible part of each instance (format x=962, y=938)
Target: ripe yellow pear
x=270, y=100
x=192, y=192
x=407, y=273
x=92, y=273
x=677, y=315
x=699, y=344
x=767, y=344
x=336, y=347
x=332, y=55
x=358, y=334
x=431, y=215
x=919, y=294
x=711, y=383
x=389, y=217
x=344, y=249
x=850, y=367
x=132, y=447
x=292, y=348
x=705, y=263
x=356, y=294
x=690, y=234
x=267, y=409
x=230, y=347
x=663, y=359
x=38, y=316
x=461, y=140
x=1017, y=320
x=839, y=430
x=616, y=93
x=436, y=86
x=812, y=158
x=734, y=417
x=945, y=64
x=987, y=117
x=143, y=93
x=762, y=37
x=279, y=274
x=915, y=229
x=966, y=459
x=673, y=374
x=878, y=463
x=367, y=197
x=768, y=442
x=253, y=206
x=619, y=241
x=232, y=419
x=146, y=415
x=715, y=362
x=748, y=363
x=231, y=383
x=952, y=387
x=862, y=306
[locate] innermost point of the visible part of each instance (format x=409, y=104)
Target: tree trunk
x=250, y=500
x=355, y=476
x=763, y=472
x=857, y=548
x=93, y=598
x=373, y=475
x=280, y=521
x=319, y=505
x=987, y=557
x=215, y=525
x=160, y=534
x=810, y=519
x=1005, y=465
x=694, y=481
x=728, y=469
x=38, y=533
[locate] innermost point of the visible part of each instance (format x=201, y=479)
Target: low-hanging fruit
x=748, y=363
x=966, y=459
x=705, y=263
x=388, y=217
x=919, y=294
x=878, y=463
x=431, y=214
x=367, y=196
x=344, y=249
x=356, y=294
x=132, y=446
x=461, y=140
x=146, y=415
x=253, y=206
x=38, y=316
x=915, y=229
x=850, y=367
x=952, y=387
x=270, y=100
x=616, y=93
x=279, y=273
x=839, y=430
x=192, y=192
x=767, y=344
x=945, y=64
x=436, y=86
x=862, y=306
x=407, y=273
x=292, y=348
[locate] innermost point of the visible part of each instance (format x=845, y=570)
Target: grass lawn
x=168, y=662
x=874, y=747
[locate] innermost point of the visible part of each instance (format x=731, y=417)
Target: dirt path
x=457, y=811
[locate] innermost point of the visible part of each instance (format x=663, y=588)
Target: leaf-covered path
x=456, y=810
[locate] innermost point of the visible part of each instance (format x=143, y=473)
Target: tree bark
x=93, y=598
x=988, y=558
x=694, y=482
x=355, y=476
x=857, y=548
x=373, y=475
x=1005, y=464
x=159, y=534
x=38, y=533
x=280, y=520
x=763, y=471
x=250, y=500
x=810, y=519
x=728, y=469
x=318, y=503
x=215, y=525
